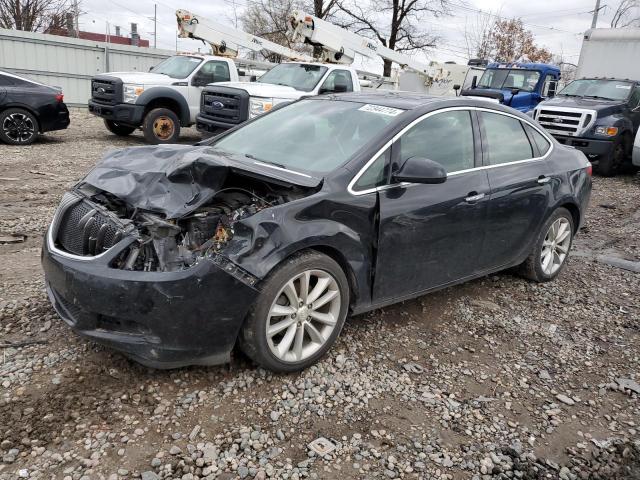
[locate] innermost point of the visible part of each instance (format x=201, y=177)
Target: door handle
x=543, y=179
x=474, y=197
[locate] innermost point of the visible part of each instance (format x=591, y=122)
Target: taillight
x=59, y=98
x=589, y=170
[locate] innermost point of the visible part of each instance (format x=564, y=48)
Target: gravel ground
x=497, y=378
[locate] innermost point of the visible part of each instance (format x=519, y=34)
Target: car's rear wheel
x=551, y=249
x=18, y=127
x=118, y=128
x=161, y=125
x=298, y=315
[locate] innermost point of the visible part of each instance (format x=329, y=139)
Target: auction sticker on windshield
x=392, y=112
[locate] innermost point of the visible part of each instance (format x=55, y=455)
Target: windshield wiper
x=248, y=155
x=598, y=97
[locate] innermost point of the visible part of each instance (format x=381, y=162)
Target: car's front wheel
x=18, y=127
x=118, y=128
x=298, y=315
x=551, y=249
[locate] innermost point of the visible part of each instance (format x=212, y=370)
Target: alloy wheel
x=18, y=127
x=303, y=315
x=555, y=246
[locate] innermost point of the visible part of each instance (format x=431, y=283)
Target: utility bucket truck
x=227, y=104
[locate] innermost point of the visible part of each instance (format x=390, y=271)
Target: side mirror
x=420, y=170
x=515, y=91
x=474, y=82
x=151, y=68
x=456, y=88
x=201, y=80
x=253, y=78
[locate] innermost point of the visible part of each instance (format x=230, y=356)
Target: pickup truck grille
x=106, y=90
x=85, y=231
x=571, y=122
x=225, y=104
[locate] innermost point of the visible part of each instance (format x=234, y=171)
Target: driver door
x=432, y=235
x=209, y=72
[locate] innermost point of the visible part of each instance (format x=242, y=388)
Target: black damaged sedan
x=270, y=235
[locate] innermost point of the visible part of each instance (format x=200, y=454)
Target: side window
x=540, y=140
x=338, y=81
x=446, y=138
x=506, y=139
x=376, y=175
x=215, y=71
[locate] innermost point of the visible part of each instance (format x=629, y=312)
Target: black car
x=28, y=108
x=270, y=235
x=599, y=116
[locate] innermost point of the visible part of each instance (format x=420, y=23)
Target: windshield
x=177, y=67
x=603, y=89
x=309, y=135
x=297, y=75
x=503, y=78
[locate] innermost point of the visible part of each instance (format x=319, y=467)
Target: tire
x=161, y=126
x=308, y=337
x=118, y=128
x=18, y=127
x=609, y=165
x=533, y=267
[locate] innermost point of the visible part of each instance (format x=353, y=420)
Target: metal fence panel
x=69, y=63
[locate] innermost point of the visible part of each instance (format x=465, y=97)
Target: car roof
x=413, y=101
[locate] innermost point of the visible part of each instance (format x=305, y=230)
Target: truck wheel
x=118, y=128
x=609, y=164
x=161, y=125
x=298, y=315
x=18, y=127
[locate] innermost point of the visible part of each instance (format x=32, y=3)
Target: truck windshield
x=297, y=75
x=504, y=78
x=598, y=88
x=309, y=135
x=179, y=66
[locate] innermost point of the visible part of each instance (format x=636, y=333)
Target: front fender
x=263, y=241
x=155, y=93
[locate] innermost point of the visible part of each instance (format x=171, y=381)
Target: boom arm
x=225, y=41
x=340, y=46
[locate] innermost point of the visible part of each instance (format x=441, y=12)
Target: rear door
x=431, y=235
x=4, y=82
x=521, y=186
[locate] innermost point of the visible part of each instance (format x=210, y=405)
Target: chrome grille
x=572, y=122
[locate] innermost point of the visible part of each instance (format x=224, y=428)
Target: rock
x=564, y=399
x=175, y=450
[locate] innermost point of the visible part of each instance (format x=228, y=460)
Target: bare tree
x=397, y=24
x=477, y=35
x=511, y=41
x=627, y=14
x=34, y=15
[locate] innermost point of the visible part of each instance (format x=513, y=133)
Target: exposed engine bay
x=167, y=245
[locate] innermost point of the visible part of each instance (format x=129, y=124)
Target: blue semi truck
x=520, y=85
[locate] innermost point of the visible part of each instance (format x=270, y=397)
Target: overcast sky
x=558, y=25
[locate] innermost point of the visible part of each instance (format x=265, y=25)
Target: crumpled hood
x=267, y=90
x=143, y=78
x=177, y=179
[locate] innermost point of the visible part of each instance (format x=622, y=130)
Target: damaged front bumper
x=160, y=319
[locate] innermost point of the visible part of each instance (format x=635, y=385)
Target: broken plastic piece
x=321, y=446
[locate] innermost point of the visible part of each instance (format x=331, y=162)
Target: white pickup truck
x=227, y=104
x=160, y=101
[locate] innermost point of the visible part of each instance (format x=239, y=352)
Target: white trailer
x=610, y=53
